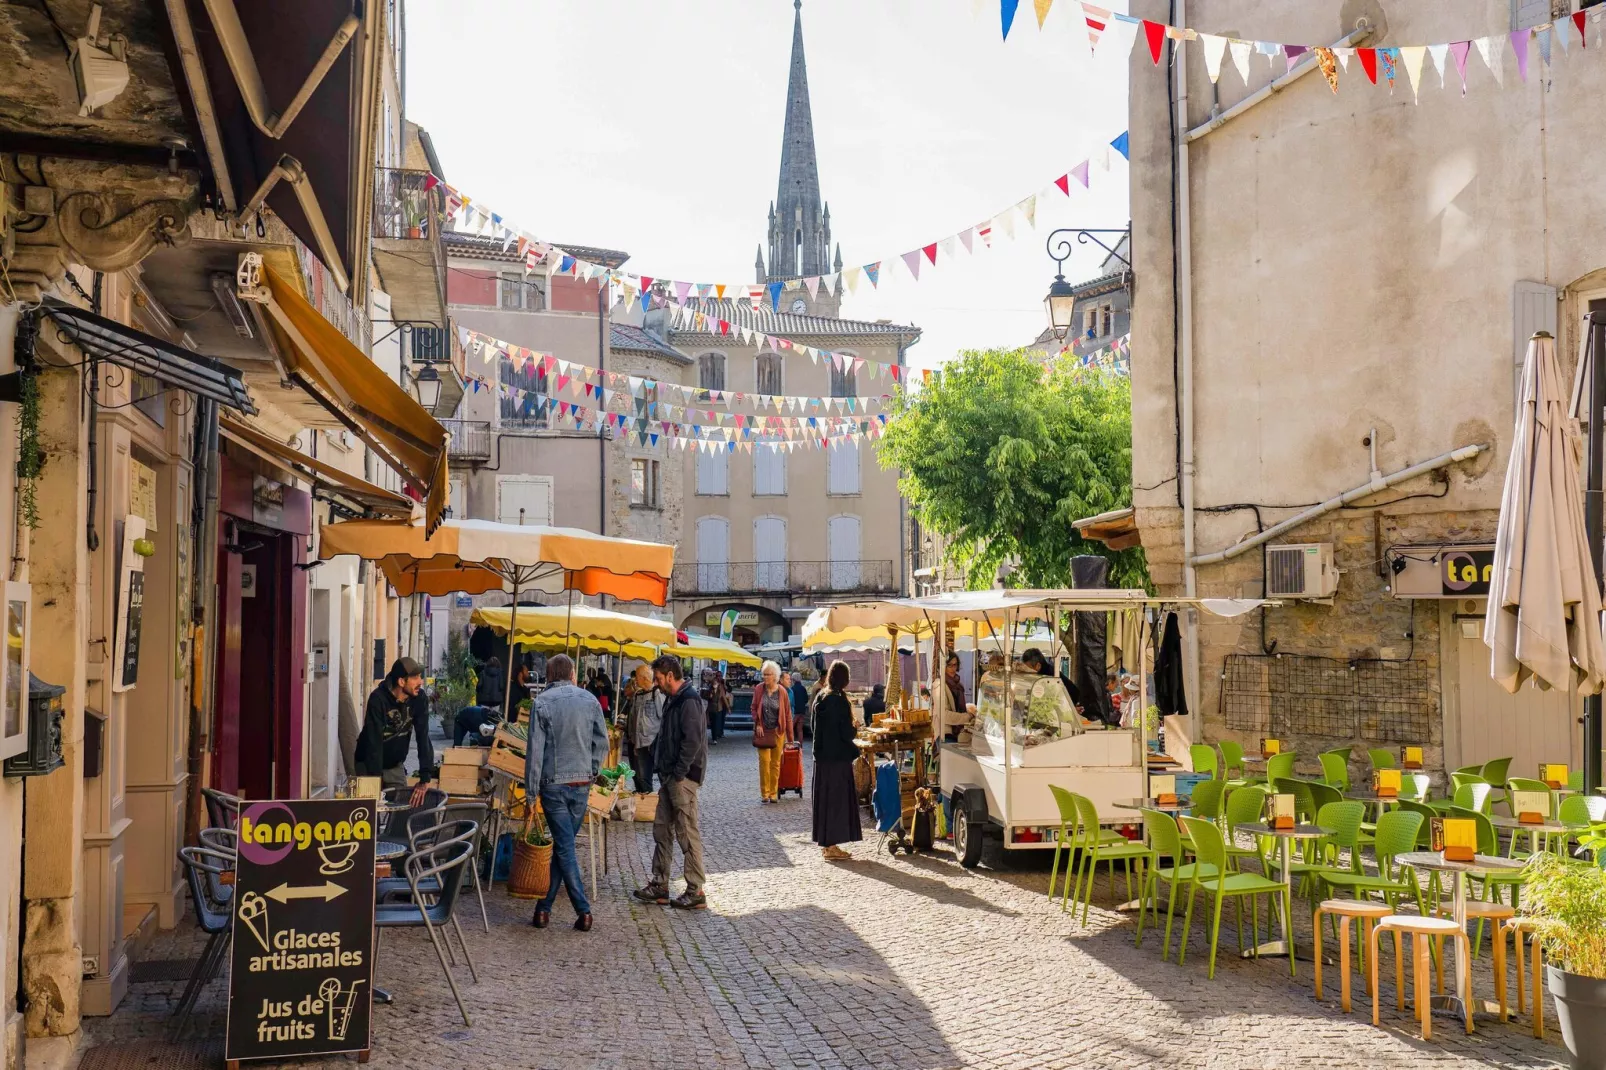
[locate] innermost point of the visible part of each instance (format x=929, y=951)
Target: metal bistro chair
x=222, y=809
x=440, y=865
x=204, y=870
x=396, y=824
x=425, y=830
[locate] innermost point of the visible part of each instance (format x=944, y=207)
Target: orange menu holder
x=1531, y=807
x=1386, y=783
x=1460, y=839
x=1269, y=747
x=1281, y=809
x=1554, y=776
x=1164, y=788
x=1411, y=758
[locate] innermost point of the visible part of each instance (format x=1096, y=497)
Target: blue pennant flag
x=775, y=296
x=1006, y=11
x=1120, y=145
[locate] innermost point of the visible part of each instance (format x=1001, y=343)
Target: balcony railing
x=471, y=440
x=409, y=214
x=407, y=206
x=784, y=577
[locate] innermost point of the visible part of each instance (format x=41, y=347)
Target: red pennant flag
x=1064, y=183
x=1368, y=62
x=931, y=252
x=646, y=283
x=430, y=181
x=1578, y=21
x=1155, y=32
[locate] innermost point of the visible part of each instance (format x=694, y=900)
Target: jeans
x=565, y=806
x=717, y=723
x=642, y=763
x=769, y=770
x=677, y=819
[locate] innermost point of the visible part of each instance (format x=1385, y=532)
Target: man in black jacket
x=392, y=717
x=681, y=757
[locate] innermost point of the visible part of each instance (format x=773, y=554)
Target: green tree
x=1000, y=454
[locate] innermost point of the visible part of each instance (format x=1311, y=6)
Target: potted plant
x=1568, y=900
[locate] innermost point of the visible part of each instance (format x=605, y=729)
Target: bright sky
x=654, y=126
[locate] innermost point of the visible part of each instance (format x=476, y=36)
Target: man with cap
x=394, y=714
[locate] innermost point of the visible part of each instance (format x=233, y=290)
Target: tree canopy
x=999, y=454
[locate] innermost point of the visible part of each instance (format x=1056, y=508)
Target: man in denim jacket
x=568, y=744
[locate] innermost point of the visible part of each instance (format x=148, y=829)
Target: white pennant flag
x=813, y=283
x=1344, y=55
x=1028, y=208
x=1439, y=53
x=968, y=236
x=1492, y=50
x=1240, y=57
x=1215, y=46
x=1006, y=223
x=852, y=275
x=1412, y=56
x=950, y=246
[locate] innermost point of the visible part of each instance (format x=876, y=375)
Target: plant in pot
x=1568, y=901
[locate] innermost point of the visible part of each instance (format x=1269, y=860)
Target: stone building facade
x=1318, y=359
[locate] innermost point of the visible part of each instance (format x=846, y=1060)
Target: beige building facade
x=1366, y=310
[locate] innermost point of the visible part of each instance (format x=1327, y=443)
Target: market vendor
x=957, y=715
x=388, y=723
x=1034, y=660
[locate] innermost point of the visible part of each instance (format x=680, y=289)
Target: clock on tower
x=800, y=306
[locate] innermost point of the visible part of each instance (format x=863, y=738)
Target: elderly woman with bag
x=836, y=797
x=772, y=728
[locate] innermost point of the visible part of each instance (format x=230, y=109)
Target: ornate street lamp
x=1061, y=299
x=1060, y=304
x=427, y=385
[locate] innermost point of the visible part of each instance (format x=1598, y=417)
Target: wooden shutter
x=713, y=473
x=1533, y=308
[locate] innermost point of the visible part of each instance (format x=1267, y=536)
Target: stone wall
x=663, y=522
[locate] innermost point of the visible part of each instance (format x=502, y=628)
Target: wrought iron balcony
x=783, y=577
x=471, y=440
x=409, y=215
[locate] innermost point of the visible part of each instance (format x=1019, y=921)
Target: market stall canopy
x=1117, y=529
x=354, y=389
x=712, y=648
x=991, y=606
x=324, y=477
x=594, y=628
x=1543, y=617
x=475, y=556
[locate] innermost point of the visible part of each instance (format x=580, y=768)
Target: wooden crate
x=601, y=802
x=459, y=780
x=465, y=756
x=506, y=756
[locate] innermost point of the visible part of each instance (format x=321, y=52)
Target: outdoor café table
x=1545, y=827
x=1373, y=799
x=1285, y=854
x=1448, y=1004
x=1182, y=804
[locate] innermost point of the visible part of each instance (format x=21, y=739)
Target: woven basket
x=531, y=872
x=646, y=807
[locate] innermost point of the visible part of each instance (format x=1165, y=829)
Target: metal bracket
x=1061, y=240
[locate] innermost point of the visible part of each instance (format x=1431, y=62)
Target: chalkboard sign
x=133, y=613
x=301, y=976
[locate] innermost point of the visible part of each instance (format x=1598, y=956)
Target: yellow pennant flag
x=1042, y=11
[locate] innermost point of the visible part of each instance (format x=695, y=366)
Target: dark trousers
x=642, y=762
x=717, y=723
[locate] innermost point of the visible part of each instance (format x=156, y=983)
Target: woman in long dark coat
x=836, y=799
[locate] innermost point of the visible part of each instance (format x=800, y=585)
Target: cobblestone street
x=881, y=962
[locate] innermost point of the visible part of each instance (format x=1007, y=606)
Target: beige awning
x=322, y=475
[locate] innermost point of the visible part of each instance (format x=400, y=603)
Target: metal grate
x=161, y=970
x=206, y=1054
x=1286, y=695
x=1285, y=572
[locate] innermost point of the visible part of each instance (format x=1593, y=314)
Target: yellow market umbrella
x=712, y=648
x=590, y=626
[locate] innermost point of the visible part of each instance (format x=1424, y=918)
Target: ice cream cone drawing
x=253, y=913
x=340, y=1001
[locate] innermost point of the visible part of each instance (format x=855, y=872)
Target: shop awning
x=172, y=365
x=593, y=627
x=323, y=476
x=357, y=392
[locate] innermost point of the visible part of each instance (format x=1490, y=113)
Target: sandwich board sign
x=301, y=968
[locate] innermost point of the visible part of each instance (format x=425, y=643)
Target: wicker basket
x=531, y=872
x=646, y=807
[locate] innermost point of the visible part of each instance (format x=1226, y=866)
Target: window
x=769, y=470
x=1106, y=321
x=767, y=377
x=524, y=500
x=529, y=411
x=644, y=482
x=520, y=294
x=842, y=467
x=713, y=473
x=769, y=553
x=457, y=498
x=711, y=371
x=844, y=383
x=713, y=553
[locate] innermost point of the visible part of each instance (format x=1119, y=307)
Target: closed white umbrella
x=1544, y=606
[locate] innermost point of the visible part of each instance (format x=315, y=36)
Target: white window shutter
x=769, y=470
x=1533, y=308
x=842, y=467
x=713, y=473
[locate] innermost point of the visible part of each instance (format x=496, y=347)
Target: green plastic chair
x=1335, y=768
x=1492, y=880
x=1205, y=801
x=1495, y=770
x=1343, y=752
x=1304, y=802
x=1424, y=835
x=1094, y=852
x=1575, y=780
x=1204, y=760
x=1470, y=796
x=1280, y=765
x=1232, y=758
x=1382, y=759
x=1245, y=806
x=1321, y=794
x=1166, y=840
x=1069, y=837
x=1344, y=818
x=1472, y=770
x=1211, y=851
x=1579, y=813
x=1415, y=786
x=1522, y=783
x=1397, y=833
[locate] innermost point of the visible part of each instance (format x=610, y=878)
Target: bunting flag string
x=818, y=434
x=1492, y=48
x=1115, y=357
x=473, y=217
x=603, y=382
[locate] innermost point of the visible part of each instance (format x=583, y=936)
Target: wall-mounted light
x=427, y=385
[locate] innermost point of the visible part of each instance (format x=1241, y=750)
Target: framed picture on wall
x=14, y=670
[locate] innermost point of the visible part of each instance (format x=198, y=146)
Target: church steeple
x=800, y=224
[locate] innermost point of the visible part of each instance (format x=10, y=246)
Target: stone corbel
x=106, y=233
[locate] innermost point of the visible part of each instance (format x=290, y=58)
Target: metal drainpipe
x=91, y=536
x=1184, y=259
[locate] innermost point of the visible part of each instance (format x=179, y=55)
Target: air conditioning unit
x=1301, y=570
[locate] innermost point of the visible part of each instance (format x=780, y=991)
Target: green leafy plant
x=536, y=834
x=1001, y=453
x=454, y=686
x=1569, y=901
x=30, y=458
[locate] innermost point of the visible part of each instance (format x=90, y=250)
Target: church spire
x=800, y=230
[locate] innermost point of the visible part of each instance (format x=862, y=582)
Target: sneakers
x=836, y=854
x=690, y=900
x=653, y=893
